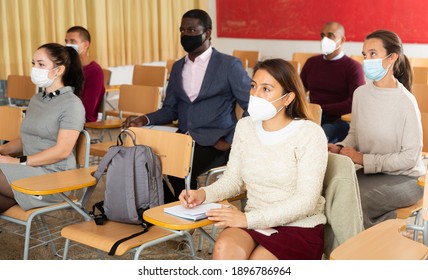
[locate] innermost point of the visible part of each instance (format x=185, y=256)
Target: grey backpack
x=133, y=182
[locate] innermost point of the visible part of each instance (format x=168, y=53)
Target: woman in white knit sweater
x=385, y=135
x=279, y=158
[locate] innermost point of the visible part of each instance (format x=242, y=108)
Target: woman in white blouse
x=279, y=158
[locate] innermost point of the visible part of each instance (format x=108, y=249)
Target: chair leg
x=417, y=222
x=27, y=240
x=201, y=238
x=49, y=238
x=66, y=245
x=189, y=238
x=425, y=233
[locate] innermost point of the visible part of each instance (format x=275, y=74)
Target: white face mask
x=40, y=77
x=262, y=110
x=74, y=46
x=328, y=46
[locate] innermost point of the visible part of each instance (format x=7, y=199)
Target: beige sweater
x=386, y=127
x=283, y=181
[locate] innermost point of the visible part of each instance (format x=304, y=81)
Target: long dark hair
x=392, y=43
x=67, y=56
x=285, y=74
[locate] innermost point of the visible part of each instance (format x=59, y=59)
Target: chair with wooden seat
x=251, y=56
x=176, y=154
x=11, y=118
x=20, y=87
x=169, y=64
x=420, y=91
x=418, y=61
x=420, y=75
x=148, y=75
x=133, y=100
x=388, y=240
x=296, y=65
x=302, y=57
x=358, y=58
x=19, y=216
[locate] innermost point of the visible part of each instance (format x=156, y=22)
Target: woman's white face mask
x=262, y=110
x=40, y=77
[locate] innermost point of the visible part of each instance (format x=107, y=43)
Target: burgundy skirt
x=293, y=243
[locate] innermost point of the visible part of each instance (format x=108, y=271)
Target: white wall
x=285, y=48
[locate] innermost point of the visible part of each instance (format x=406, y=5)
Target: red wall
x=303, y=19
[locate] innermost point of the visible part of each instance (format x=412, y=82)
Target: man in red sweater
x=93, y=89
x=331, y=79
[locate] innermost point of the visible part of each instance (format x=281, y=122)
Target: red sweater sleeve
x=93, y=90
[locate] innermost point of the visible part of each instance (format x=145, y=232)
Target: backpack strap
x=105, y=161
x=130, y=133
x=117, y=243
x=100, y=218
x=129, y=190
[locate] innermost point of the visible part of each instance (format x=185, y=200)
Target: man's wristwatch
x=23, y=160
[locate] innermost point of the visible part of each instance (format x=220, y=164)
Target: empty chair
x=133, y=100
x=296, y=65
x=419, y=61
x=169, y=64
x=137, y=100
x=302, y=57
x=420, y=91
x=146, y=75
x=20, y=87
x=358, y=58
x=244, y=62
x=251, y=56
x=10, y=122
x=420, y=75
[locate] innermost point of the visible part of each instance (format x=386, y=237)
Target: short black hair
x=83, y=32
x=203, y=16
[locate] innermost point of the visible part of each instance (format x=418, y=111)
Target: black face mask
x=191, y=43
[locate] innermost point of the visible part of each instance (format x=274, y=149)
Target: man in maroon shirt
x=331, y=79
x=93, y=89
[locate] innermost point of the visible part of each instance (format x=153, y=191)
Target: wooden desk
x=158, y=217
x=346, y=117
x=106, y=124
x=58, y=183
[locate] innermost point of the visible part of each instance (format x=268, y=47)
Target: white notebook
x=194, y=214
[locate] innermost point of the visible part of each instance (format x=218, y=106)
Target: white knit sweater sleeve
x=230, y=183
x=350, y=139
